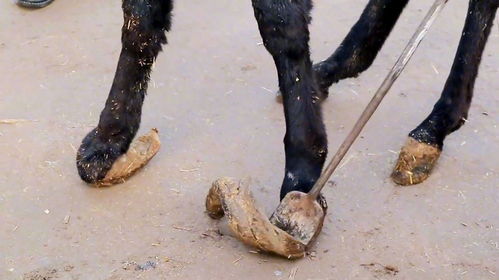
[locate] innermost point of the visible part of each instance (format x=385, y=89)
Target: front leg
x=283, y=25
x=143, y=32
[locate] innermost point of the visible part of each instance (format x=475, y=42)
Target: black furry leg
x=422, y=150
x=360, y=47
x=451, y=110
x=283, y=26
x=143, y=32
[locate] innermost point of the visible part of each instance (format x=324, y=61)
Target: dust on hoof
x=139, y=153
x=248, y=223
x=213, y=203
x=300, y=216
x=415, y=163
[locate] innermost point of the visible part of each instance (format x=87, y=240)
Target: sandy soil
x=211, y=100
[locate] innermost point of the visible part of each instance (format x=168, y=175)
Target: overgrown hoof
x=104, y=164
x=415, y=163
x=249, y=224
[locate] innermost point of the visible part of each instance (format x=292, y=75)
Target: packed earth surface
x=212, y=99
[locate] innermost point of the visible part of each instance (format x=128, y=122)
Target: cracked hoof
x=99, y=165
x=415, y=163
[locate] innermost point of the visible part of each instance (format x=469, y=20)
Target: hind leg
x=143, y=32
x=422, y=150
x=361, y=45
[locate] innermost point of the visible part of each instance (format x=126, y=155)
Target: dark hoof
x=106, y=164
x=95, y=157
x=415, y=163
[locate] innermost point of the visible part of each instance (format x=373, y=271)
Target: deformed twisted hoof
x=415, y=163
x=251, y=226
x=140, y=151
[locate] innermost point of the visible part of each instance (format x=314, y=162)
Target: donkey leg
x=143, y=32
x=360, y=47
x=283, y=25
x=422, y=150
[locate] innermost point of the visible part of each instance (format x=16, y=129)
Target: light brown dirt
x=210, y=99
x=416, y=162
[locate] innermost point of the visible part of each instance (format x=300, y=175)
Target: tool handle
x=378, y=97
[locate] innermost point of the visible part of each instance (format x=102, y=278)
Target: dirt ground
x=211, y=99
